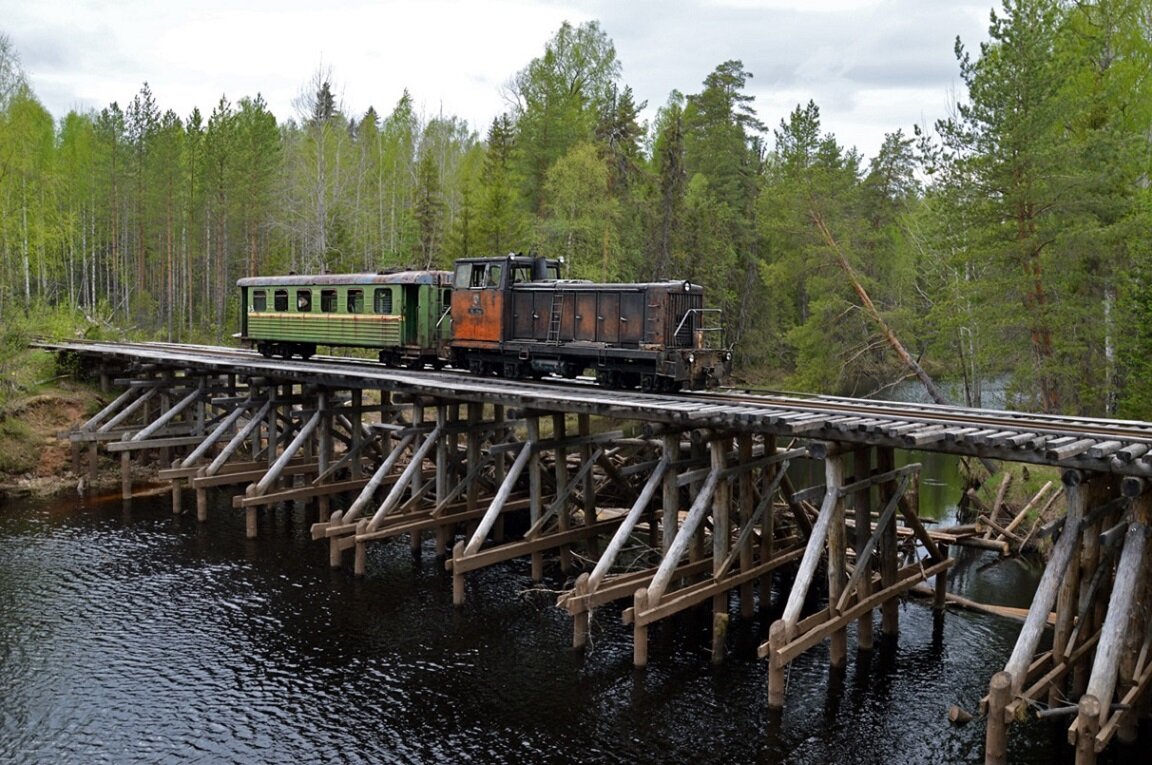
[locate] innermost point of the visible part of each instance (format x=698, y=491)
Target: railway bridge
x=666, y=502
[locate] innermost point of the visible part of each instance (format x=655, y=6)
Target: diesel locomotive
x=511, y=316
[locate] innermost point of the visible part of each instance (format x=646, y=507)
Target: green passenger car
x=404, y=315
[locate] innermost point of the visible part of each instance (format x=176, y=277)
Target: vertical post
x=165, y=405
x=584, y=425
x=1066, y=607
x=721, y=543
x=1088, y=725
x=457, y=577
x=670, y=514
x=559, y=432
x=474, y=453
x=837, y=554
x=201, y=505
x=356, y=419
x=418, y=476
x=940, y=598
x=889, y=564
x=93, y=461
x=640, y=631
x=776, y=666
x=696, y=551
x=747, y=507
x=125, y=475
x=862, y=466
x=580, y=622
x=768, y=524
x=499, y=467
x=387, y=414
x=534, y=484
x=359, y=561
x=324, y=453
x=996, y=735
x=273, y=426
x=1089, y=561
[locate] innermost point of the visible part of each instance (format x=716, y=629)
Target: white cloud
x=871, y=65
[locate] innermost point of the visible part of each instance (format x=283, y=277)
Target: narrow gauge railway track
x=1058, y=425
x=1116, y=446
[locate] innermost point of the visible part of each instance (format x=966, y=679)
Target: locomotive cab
x=480, y=300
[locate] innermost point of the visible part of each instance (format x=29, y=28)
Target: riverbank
x=35, y=453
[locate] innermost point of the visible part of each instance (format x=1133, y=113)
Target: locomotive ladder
x=554, y=319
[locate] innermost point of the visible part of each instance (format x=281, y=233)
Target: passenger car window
x=355, y=301
x=304, y=300
x=281, y=300
x=328, y=301
x=382, y=302
x=259, y=300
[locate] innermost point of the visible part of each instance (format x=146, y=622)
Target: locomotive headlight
x=691, y=358
x=687, y=286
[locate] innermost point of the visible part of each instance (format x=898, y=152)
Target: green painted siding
x=413, y=311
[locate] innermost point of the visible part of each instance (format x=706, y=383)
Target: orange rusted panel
x=477, y=315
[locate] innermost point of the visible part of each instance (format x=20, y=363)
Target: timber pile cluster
x=1012, y=529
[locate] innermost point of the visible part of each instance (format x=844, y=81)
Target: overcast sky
x=872, y=66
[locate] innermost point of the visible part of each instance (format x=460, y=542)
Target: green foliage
x=1010, y=243
x=1039, y=177
x=15, y=456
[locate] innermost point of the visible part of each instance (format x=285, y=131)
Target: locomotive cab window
x=304, y=300
x=328, y=301
x=355, y=301
x=280, y=299
x=259, y=300
x=521, y=274
x=382, y=300
x=471, y=274
x=479, y=275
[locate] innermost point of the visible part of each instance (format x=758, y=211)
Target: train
x=513, y=316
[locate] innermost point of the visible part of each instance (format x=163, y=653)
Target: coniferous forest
x=1007, y=241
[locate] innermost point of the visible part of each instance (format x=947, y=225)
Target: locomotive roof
x=674, y=285
x=330, y=280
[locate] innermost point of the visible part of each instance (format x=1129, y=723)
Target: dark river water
x=128, y=635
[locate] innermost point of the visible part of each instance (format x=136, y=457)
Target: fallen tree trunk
x=890, y=337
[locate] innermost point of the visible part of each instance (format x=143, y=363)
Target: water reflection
x=128, y=635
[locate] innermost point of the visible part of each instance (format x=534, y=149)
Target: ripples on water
x=128, y=635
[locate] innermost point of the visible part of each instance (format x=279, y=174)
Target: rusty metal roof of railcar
x=331, y=280
x=584, y=284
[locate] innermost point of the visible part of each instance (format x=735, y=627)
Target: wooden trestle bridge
x=672, y=501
